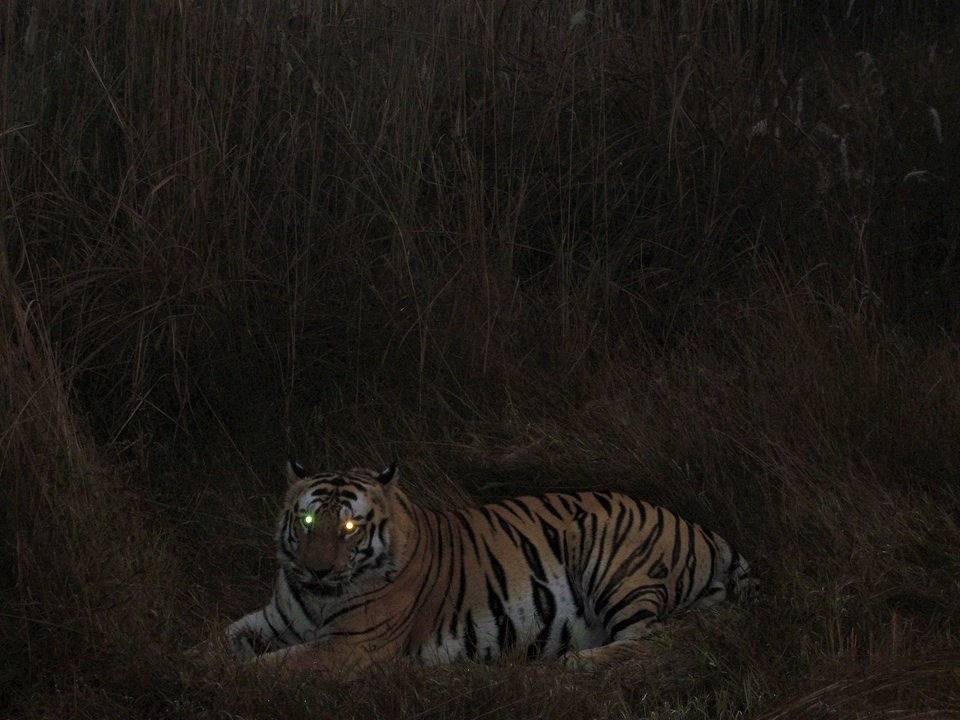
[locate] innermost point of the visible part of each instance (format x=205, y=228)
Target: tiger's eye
x=350, y=527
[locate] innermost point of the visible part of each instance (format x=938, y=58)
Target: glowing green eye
x=308, y=519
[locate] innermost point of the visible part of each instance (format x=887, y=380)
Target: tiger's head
x=339, y=528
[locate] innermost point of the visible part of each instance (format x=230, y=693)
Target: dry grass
x=705, y=255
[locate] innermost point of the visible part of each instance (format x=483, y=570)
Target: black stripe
x=294, y=592
x=276, y=635
x=523, y=506
x=440, y=545
x=599, y=562
x=470, y=636
x=604, y=502
x=378, y=563
x=593, y=531
x=712, y=550
x=548, y=506
x=344, y=611
x=532, y=558
x=657, y=590
x=692, y=561
x=582, y=536
x=486, y=513
x=287, y=531
x=553, y=539
x=458, y=604
x=564, y=550
x=575, y=594
x=446, y=591
x=707, y=591
x=658, y=571
x=286, y=620
x=506, y=632
x=507, y=528
x=676, y=542
x=509, y=509
x=360, y=631
x=638, y=616
x=469, y=529
x=546, y=606
x=498, y=570
x=620, y=530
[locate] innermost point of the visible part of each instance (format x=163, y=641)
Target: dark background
x=702, y=252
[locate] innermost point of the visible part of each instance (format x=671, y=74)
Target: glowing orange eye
x=350, y=527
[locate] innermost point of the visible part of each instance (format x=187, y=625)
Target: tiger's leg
x=280, y=623
x=627, y=624
x=251, y=635
x=247, y=636
x=239, y=639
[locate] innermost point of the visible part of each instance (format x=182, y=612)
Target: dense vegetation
x=703, y=252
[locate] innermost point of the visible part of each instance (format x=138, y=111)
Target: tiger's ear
x=295, y=471
x=389, y=474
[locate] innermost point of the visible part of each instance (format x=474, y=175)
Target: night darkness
x=701, y=252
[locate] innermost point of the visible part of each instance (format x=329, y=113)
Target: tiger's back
x=366, y=575
x=563, y=572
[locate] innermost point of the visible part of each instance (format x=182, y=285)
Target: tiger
x=367, y=576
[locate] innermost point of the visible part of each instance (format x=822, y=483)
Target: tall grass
x=705, y=253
